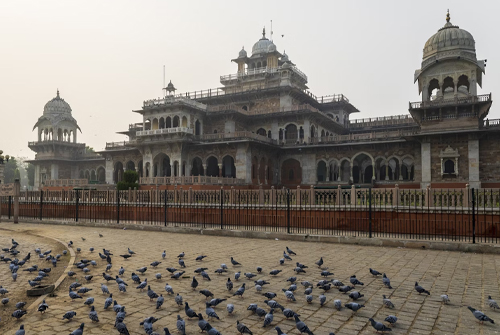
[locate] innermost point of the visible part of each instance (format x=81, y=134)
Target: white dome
x=57, y=106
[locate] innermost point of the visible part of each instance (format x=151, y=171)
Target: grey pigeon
x=386, y=281
x=379, y=326
x=445, y=299
x=206, y=293
x=337, y=304
x=169, y=289
x=73, y=295
x=278, y=329
x=89, y=301
x=240, y=291
x=122, y=288
x=189, y=312
x=182, y=264
x=252, y=307
x=20, y=305
x=19, y=313
x=345, y=289
x=242, y=328
x=78, y=331
x=480, y=315
x=202, y=323
x=391, y=319
x=215, y=302
x=387, y=302
x=289, y=296
x=237, y=275
x=230, y=308
x=375, y=272
x=355, y=295
x=492, y=303
x=212, y=331
x=104, y=289
x=108, y=302
x=322, y=299
x=122, y=328
x=287, y=312
x=159, y=301
x=420, y=289
x=229, y=284
x=235, y=263
x=354, y=281
x=270, y=295
x=320, y=262
x=151, y=294
x=194, y=283
x=302, y=327
x=93, y=315
x=178, y=299
x=210, y=311
x=354, y=306
x=164, y=254
x=181, y=325
x=272, y=304
x=20, y=331
x=290, y=251
x=268, y=318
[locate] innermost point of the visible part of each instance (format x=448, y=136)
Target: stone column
x=109, y=170
x=220, y=170
x=473, y=153
x=265, y=174
x=327, y=177
x=426, y=164
x=54, y=171
x=36, y=184
x=400, y=170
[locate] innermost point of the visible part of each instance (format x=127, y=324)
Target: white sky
x=106, y=57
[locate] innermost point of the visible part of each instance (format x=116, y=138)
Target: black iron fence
x=468, y=215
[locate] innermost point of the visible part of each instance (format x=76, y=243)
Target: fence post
x=41, y=204
x=261, y=195
x=165, y=205
x=370, y=212
x=17, y=191
x=77, y=205
x=288, y=210
x=117, y=206
x=10, y=204
x=466, y=196
x=473, y=217
x=312, y=196
x=221, y=208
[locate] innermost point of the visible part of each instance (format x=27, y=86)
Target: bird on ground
x=355, y=295
x=178, y=299
x=320, y=262
x=74, y=295
x=391, y=319
x=480, y=315
x=151, y=294
x=43, y=306
x=164, y=254
x=299, y=270
x=78, y=331
x=122, y=328
x=235, y=263
x=309, y=298
x=83, y=290
x=230, y=308
x=354, y=281
x=322, y=299
x=194, y=283
x=104, y=289
x=116, y=306
x=177, y=275
x=492, y=303
x=326, y=273
x=155, y=264
x=240, y=291
x=268, y=318
x=278, y=329
x=387, y=302
x=121, y=271
x=289, y=295
x=302, y=327
x=386, y=281
x=130, y=251
x=345, y=289
x=379, y=326
x=181, y=255
x=242, y=328
x=143, y=284
x=237, y=275
x=354, y=306
x=202, y=323
x=181, y=325
x=200, y=258
x=420, y=289
x=20, y=305
x=229, y=284
x=212, y=331
x=169, y=289
x=108, y=302
x=270, y=295
x=215, y=302
x=206, y=293
x=375, y=272
x=286, y=257
x=275, y=272
x=337, y=304
x=19, y=313
x=210, y=312
x=93, y=315
x=89, y=301
x=126, y=256
x=136, y=278
x=182, y=263
x=69, y=315
x=189, y=312
x=171, y=270
x=142, y=270
x=445, y=299
x=290, y=251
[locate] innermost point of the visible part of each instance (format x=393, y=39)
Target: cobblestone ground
x=467, y=278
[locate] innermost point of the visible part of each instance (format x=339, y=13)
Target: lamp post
x=3, y=160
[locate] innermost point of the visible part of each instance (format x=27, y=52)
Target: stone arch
x=176, y=169
x=261, y=132
x=147, y=124
x=59, y=134
x=321, y=171
x=291, y=172
x=212, y=166
x=154, y=125
x=463, y=80
x=161, y=123
x=130, y=166
x=87, y=175
x=433, y=88
x=101, y=174
x=168, y=122
x=333, y=169
x=197, y=127
x=254, y=172
x=362, y=167
x=175, y=122
x=291, y=131
x=118, y=172
x=448, y=82
x=93, y=175
x=407, y=168
x=184, y=122
x=269, y=134
x=312, y=133
x=161, y=165
x=228, y=167
x=197, y=167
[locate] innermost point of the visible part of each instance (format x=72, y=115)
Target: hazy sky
x=106, y=57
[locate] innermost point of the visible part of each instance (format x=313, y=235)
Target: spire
x=448, y=16
x=264, y=33
x=58, y=93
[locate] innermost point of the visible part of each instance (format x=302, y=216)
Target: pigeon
x=182, y=263
x=322, y=299
x=178, y=299
x=337, y=304
x=200, y=258
x=93, y=315
x=268, y=318
x=83, y=290
x=252, y=307
x=136, y=278
x=391, y=319
x=104, y=289
x=210, y=311
x=242, y=328
x=189, y=312
x=206, y=293
x=492, y=303
x=74, y=295
x=355, y=295
x=289, y=295
x=78, y=331
x=345, y=289
x=354, y=281
x=420, y=289
x=320, y=262
x=240, y=291
x=20, y=304
x=125, y=257
x=299, y=270
x=69, y=315
x=151, y=294
x=122, y=328
x=19, y=313
x=249, y=275
x=480, y=315
x=74, y=285
x=205, y=275
x=270, y=295
x=287, y=312
x=89, y=301
x=181, y=255
x=387, y=302
x=445, y=299
x=142, y=270
x=230, y=308
x=164, y=254
x=278, y=329
x=309, y=298
x=215, y=302
x=302, y=327
x=108, y=302
x=107, y=277
x=148, y=324
x=220, y=271
x=169, y=289
x=143, y=284
x=259, y=269
x=260, y=312
x=386, y=281
x=229, y=284
x=235, y=263
x=202, y=323
x=200, y=270
x=121, y=271
x=194, y=283
x=181, y=325
x=290, y=251
x=237, y=275
x=354, y=306
x=43, y=306
x=177, y=275
x=275, y=272
x=171, y=270
x=122, y=288
x=282, y=261
x=155, y=264
x=285, y=256
x=379, y=326
x=116, y=307
x=261, y=282
x=212, y=331
x=326, y=273
x=130, y=251
x=5, y=301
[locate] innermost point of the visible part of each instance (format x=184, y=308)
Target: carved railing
x=382, y=121
x=235, y=135
x=261, y=70
x=66, y=182
x=454, y=101
x=164, y=131
x=198, y=180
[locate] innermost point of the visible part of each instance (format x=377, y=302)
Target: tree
x=10, y=170
x=30, y=170
x=130, y=178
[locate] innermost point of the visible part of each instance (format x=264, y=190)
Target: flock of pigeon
x=76, y=292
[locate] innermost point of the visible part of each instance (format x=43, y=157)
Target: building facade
x=263, y=127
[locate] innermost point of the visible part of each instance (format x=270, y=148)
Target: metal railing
x=261, y=70
x=466, y=215
x=445, y=102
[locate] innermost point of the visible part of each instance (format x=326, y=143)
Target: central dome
x=57, y=106
x=448, y=38
x=262, y=45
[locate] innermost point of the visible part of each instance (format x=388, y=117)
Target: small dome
x=284, y=57
x=448, y=38
x=242, y=53
x=57, y=106
x=271, y=47
x=262, y=45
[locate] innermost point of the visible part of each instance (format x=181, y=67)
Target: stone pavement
x=467, y=278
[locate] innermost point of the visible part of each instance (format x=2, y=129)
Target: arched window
x=168, y=122
x=197, y=128
x=175, y=122
x=449, y=167
x=245, y=108
x=162, y=123
x=261, y=131
x=291, y=132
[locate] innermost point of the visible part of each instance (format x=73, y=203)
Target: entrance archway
x=197, y=167
x=321, y=171
x=228, y=168
x=212, y=167
x=291, y=172
x=118, y=173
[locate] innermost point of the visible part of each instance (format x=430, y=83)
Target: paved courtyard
x=467, y=278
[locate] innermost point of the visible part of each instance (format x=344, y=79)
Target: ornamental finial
x=264, y=32
x=448, y=16
x=58, y=93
